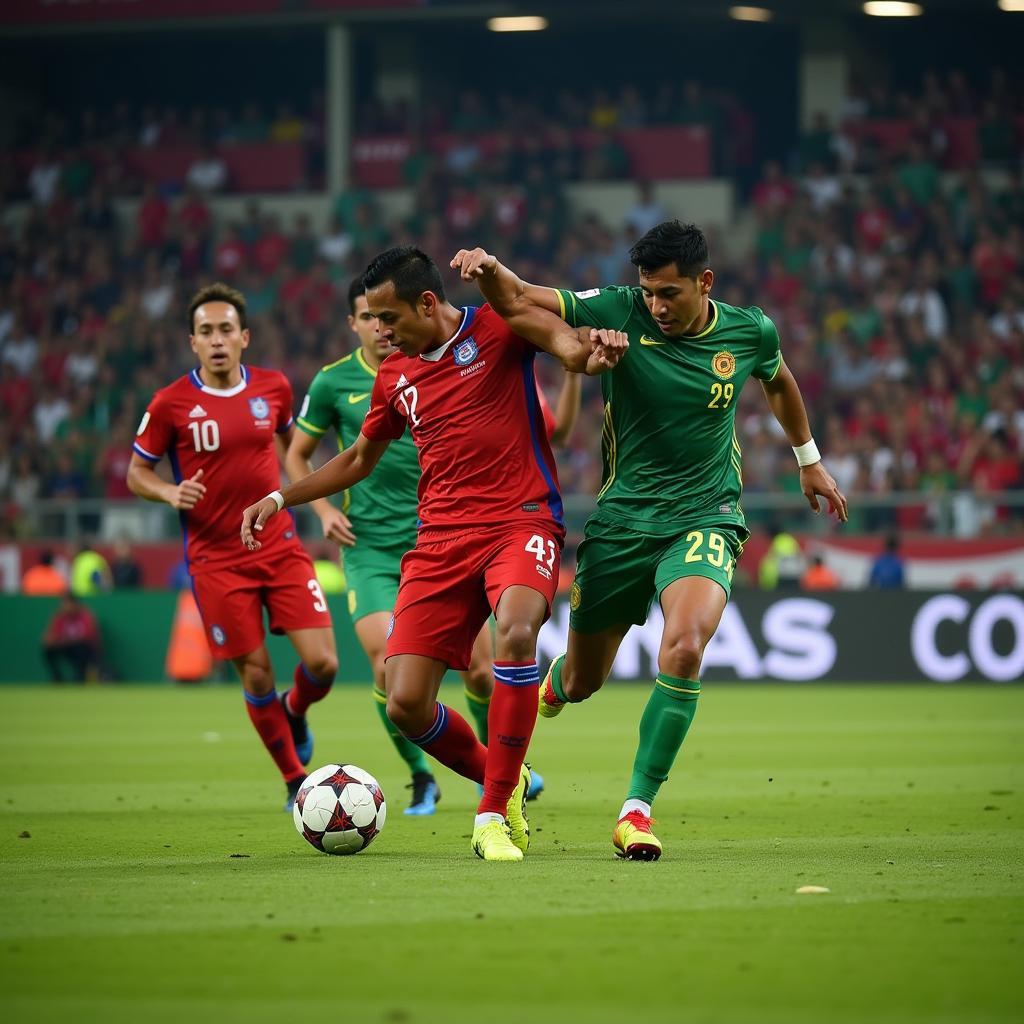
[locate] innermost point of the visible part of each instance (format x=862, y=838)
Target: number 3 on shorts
x=319, y=604
x=543, y=548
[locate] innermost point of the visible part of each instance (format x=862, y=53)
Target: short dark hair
x=411, y=271
x=217, y=292
x=355, y=289
x=671, y=242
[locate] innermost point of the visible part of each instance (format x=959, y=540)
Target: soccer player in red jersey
x=491, y=525
x=224, y=427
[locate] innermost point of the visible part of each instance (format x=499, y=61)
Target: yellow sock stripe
x=475, y=697
x=380, y=696
x=693, y=692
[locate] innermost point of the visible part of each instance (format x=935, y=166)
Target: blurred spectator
x=90, y=573
x=887, y=571
x=819, y=576
x=646, y=212
x=72, y=638
x=208, y=172
x=43, y=579
x=125, y=571
x=783, y=562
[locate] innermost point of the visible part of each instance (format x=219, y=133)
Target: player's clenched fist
x=608, y=348
x=188, y=493
x=254, y=518
x=473, y=263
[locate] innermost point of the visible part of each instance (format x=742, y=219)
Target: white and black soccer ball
x=339, y=809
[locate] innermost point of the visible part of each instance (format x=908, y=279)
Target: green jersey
x=382, y=507
x=669, y=440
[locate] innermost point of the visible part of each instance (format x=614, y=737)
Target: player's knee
x=409, y=716
x=323, y=667
x=681, y=655
x=257, y=680
x=377, y=664
x=516, y=640
x=479, y=680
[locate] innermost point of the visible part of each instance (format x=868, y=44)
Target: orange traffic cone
x=188, y=656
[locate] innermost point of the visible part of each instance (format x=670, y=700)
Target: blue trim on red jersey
x=197, y=381
x=468, y=316
x=142, y=453
x=535, y=416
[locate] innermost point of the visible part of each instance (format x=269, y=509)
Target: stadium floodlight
x=751, y=14
x=891, y=9
x=521, y=23
x=1015, y=6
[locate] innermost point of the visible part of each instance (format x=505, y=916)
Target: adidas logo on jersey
x=197, y=412
x=403, y=382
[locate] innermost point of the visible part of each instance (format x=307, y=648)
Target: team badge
x=465, y=352
x=724, y=365
x=259, y=407
x=575, y=597
x=218, y=635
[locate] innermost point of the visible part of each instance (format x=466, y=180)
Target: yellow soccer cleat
x=493, y=842
x=548, y=705
x=634, y=839
x=515, y=811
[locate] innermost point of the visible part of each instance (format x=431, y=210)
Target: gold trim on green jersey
x=710, y=327
x=361, y=360
x=561, y=302
x=608, y=437
x=337, y=362
x=309, y=428
x=777, y=368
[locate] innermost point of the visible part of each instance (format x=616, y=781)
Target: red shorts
x=231, y=601
x=451, y=582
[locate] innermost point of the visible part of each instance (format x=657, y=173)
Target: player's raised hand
x=253, y=519
x=816, y=480
x=188, y=493
x=338, y=527
x=473, y=263
x=608, y=348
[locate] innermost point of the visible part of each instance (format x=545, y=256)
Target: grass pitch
x=147, y=871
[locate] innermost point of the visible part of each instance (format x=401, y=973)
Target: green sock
x=478, y=708
x=556, y=678
x=412, y=755
x=668, y=715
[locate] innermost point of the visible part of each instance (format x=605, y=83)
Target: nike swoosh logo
x=644, y=340
x=352, y=399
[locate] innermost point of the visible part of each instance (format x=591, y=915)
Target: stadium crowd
x=897, y=292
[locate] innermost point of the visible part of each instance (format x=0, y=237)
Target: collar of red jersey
x=226, y=392
x=468, y=314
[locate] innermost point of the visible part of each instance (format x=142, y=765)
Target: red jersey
x=230, y=436
x=473, y=411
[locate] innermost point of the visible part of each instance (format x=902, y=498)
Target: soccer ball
x=339, y=809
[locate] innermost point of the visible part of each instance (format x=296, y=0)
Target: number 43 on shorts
x=545, y=550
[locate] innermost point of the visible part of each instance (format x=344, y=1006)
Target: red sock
x=267, y=715
x=510, y=723
x=307, y=690
x=451, y=741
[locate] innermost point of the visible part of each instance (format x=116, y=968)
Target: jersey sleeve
x=596, y=307
x=382, y=422
x=284, y=414
x=769, y=356
x=317, y=412
x=155, y=434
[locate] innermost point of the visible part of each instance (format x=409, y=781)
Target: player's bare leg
x=582, y=670
x=478, y=680
x=268, y=716
x=313, y=679
x=693, y=607
x=372, y=633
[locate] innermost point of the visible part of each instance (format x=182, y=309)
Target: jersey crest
x=259, y=407
x=465, y=352
x=724, y=365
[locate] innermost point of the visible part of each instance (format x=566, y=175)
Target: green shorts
x=619, y=572
x=372, y=576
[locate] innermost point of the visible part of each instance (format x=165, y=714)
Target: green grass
x=128, y=901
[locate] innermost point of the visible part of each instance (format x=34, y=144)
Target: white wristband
x=807, y=454
x=279, y=498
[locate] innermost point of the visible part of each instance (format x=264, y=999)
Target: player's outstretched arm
x=501, y=287
x=786, y=403
x=333, y=521
x=343, y=471
x=143, y=480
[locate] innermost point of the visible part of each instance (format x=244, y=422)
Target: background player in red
x=491, y=517
x=224, y=428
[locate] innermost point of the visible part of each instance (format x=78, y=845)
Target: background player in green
x=368, y=526
x=668, y=522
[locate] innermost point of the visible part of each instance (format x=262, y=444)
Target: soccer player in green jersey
x=668, y=523
x=338, y=398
